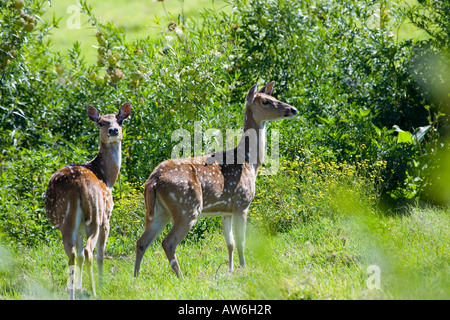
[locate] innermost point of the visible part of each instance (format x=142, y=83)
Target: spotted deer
x=79, y=201
x=218, y=184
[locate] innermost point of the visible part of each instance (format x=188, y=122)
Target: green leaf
x=403, y=136
x=364, y=113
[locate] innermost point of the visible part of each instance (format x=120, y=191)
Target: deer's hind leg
x=101, y=245
x=183, y=222
x=80, y=255
x=155, y=224
x=92, y=233
x=171, y=241
x=69, y=231
x=69, y=248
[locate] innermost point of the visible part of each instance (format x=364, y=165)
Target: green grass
x=326, y=253
x=324, y=259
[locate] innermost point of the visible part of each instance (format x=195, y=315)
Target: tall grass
x=326, y=256
x=322, y=260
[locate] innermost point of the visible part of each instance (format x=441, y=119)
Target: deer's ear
x=268, y=88
x=93, y=114
x=251, y=94
x=124, y=112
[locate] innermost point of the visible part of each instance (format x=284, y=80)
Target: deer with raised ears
x=79, y=200
x=219, y=184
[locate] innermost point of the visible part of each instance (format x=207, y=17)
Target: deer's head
x=265, y=107
x=111, y=124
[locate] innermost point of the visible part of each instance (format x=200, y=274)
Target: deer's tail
x=149, y=198
x=149, y=233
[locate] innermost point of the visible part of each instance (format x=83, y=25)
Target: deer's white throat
x=116, y=153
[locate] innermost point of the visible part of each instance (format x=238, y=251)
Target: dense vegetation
x=371, y=130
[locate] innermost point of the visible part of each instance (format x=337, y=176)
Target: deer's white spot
x=214, y=204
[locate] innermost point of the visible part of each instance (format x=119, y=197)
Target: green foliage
x=340, y=65
x=337, y=62
x=430, y=67
x=373, y=125
x=182, y=76
x=431, y=16
x=307, y=190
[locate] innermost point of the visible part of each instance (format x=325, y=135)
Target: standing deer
x=188, y=189
x=79, y=200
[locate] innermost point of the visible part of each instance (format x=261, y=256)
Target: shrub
x=429, y=65
x=311, y=188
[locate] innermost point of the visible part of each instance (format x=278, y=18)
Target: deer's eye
x=265, y=101
x=102, y=124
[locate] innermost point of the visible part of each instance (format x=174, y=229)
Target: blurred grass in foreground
x=329, y=256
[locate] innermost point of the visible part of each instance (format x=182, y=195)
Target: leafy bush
x=309, y=189
x=182, y=76
x=344, y=70
x=430, y=66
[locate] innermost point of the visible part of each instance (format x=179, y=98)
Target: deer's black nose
x=113, y=132
x=294, y=111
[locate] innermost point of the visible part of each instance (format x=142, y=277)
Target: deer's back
x=75, y=190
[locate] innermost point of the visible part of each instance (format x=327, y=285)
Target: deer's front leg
x=228, y=232
x=239, y=226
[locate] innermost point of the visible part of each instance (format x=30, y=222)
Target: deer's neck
x=253, y=140
x=106, y=165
